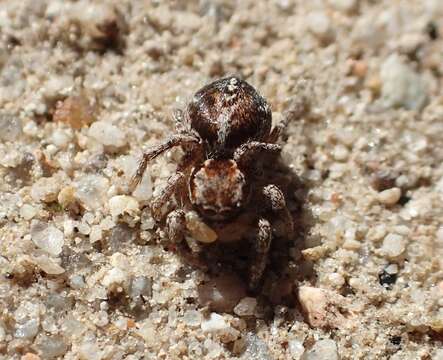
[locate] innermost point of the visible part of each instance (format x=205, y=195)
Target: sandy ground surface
x=85, y=86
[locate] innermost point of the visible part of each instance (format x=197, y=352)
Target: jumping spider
x=226, y=134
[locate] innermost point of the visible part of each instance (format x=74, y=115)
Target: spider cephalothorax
x=225, y=133
x=218, y=189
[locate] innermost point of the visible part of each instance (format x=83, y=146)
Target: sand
x=85, y=86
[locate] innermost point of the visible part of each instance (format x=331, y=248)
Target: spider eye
x=210, y=213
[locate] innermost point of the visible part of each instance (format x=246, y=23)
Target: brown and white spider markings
x=226, y=135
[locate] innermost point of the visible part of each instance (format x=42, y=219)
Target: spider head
x=218, y=189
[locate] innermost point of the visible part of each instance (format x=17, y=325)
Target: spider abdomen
x=229, y=112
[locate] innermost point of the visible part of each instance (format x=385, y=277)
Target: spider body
x=227, y=113
x=226, y=135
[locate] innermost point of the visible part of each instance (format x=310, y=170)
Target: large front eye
x=210, y=213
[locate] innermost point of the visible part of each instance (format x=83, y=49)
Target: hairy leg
x=247, y=154
x=275, y=202
x=174, y=140
x=189, y=249
x=262, y=245
x=176, y=226
x=297, y=109
x=173, y=183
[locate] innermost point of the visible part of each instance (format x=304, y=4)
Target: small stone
x=213, y=349
x=402, y=86
x=91, y=191
x=359, y=69
x=439, y=235
x=215, y=323
x=57, y=85
x=438, y=354
x=89, y=351
x=336, y=279
x=2, y=333
x=392, y=269
x=314, y=303
x=27, y=330
x=101, y=319
x=121, y=323
x=192, y=318
x=198, y=228
x=123, y=204
x=377, y=233
x=96, y=234
x=344, y=5
x=255, y=348
x=316, y=253
x=50, y=347
x=27, y=212
x=74, y=111
x=140, y=286
x=48, y=265
x=115, y=276
x=320, y=25
x=351, y=244
x=148, y=332
x=320, y=307
x=322, y=349
x=340, y=153
x=47, y=238
x=61, y=138
x=77, y=282
x=121, y=234
x=30, y=129
x=84, y=228
x=246, y=306
x=45, y=189
x=30, y=356
x=11, y=127
x=66, y=196
x=389, y=196
x=296, y=349
x=393, y=246
x=107, y=134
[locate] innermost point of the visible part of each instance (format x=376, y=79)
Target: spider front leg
x=176, y=230
x=247, y=154
x=189, y=249
x=172, y=184
x=174, y=140
x=176, y=226
x=261, y=248
x=276, y=203
x=297, y=109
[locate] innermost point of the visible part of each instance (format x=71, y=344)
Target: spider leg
x=261, y=247
x=297, y=109
x=174, y=140
x=176, y=226
x=276, y=203
x=250, y=152
x=189, y=249
x=172, y=184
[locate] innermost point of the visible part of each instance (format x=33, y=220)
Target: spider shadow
x=286, y=266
